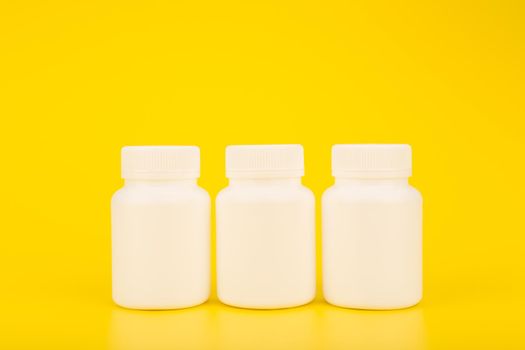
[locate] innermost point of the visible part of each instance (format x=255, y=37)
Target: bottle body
x=161, y=245
x=266, y=244
x=372, y=244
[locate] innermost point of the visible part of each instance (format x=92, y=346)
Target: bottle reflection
x=159, y=330
x=314, y=326
x=267, y=329
x=361, y=329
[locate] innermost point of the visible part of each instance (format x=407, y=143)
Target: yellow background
x=81, y=79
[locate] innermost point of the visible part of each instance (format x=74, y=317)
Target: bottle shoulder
x=140, y=194
x=265, y=193
x=361, y=193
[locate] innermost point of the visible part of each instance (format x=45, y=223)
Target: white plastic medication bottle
x=372, y=229
x=161, y=230
x=265, y=229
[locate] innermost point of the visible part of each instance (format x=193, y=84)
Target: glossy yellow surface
x=80, y=79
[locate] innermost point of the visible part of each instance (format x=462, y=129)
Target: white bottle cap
x=372, y=161
x=160, y=162
x=260, y=161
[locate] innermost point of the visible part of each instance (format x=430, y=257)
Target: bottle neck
x=372, y=181
x=160, y=182
x=265, y=181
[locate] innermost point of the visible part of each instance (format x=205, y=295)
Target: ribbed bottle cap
x=372, y=161
x=258, y=161
x=160, y=162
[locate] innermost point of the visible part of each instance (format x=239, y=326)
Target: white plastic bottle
x=372, y=229
x=160, y=230
x=265, y=229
